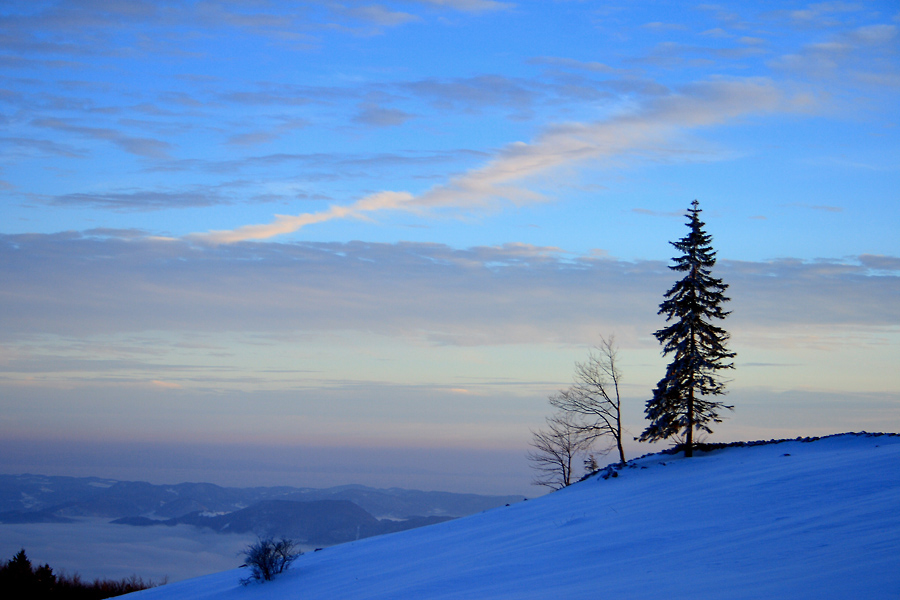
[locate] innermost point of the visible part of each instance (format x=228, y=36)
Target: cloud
x=18, y=146
x=663, y=27
x=877, y=34
x=139, y=200
x=878, y=262
x=91, y=28
x=469, y=5
x=649, y=130
x=570, y=63
x=265, y=99
x=376, y=13
x=145, y=147
x=717, y=32
x=726, y=17
x=323, y=165
x=268, y=135
x=822, y=14
x=86, y=29
x=864, y=54
x=820, y=292
x=287, y=224
x=166, y=385
x=474, y=93
x=672, y=54
x=377, y=116
x=80, y=285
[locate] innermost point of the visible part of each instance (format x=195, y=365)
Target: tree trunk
x=689, y=438
x=618, y=432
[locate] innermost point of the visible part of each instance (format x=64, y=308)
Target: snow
x=793, y=520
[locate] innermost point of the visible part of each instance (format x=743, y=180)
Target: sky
x=316, y=243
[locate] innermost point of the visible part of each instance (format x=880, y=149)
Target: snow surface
x=792, y=520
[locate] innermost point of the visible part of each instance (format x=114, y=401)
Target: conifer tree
x=682, y=401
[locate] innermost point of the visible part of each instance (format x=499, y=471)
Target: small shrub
x=269, y=557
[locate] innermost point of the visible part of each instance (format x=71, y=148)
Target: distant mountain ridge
x=312, y=516
x=318, y=522
x=97, y=497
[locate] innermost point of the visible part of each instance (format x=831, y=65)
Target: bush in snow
x=269, y=557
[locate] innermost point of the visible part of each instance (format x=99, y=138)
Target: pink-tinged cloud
x=288, y=224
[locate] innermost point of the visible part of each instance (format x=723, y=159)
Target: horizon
x=354, y=242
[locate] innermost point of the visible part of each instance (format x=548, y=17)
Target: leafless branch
x=557, y=449
x=594, y=396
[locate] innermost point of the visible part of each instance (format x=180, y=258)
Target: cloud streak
x=140, y=146
x=285, y=224
x=143, y=200
x=651, y=130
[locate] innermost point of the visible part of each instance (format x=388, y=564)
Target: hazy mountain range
x=310, y=516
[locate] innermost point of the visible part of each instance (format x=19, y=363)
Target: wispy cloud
x=284, y=224
x=864, y=54
x=142, y=200
x=88, y=28
x=140, y=146
x=663, y=27
x=263, y=136
x=378, y=116
x=823, y=14
x=474, y=92
x=265, y=98
x=571, y=63
x=377, y=14
x=469, y=5
x=669, y=54
x=21, y=146
x=650, y=129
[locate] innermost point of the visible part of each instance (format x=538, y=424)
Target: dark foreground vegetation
x=19, y=580
x=268, y=557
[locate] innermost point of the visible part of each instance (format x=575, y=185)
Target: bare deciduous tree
x=594, y=396
x=557, y=449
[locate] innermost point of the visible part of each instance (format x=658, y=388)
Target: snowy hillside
x=793, y=520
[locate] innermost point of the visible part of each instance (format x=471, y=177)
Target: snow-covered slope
x=790, y=520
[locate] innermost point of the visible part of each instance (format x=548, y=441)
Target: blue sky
x=385, y=228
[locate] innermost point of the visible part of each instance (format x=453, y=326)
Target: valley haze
x=103, y=528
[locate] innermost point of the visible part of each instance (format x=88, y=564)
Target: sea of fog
x=96, y=548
